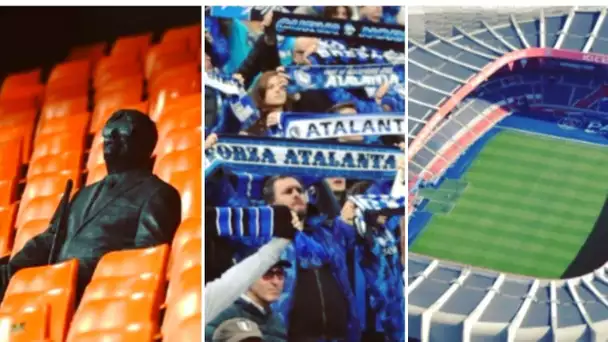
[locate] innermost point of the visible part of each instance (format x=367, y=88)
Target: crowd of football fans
x=304, y=283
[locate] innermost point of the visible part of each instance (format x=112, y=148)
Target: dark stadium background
x=31, y=37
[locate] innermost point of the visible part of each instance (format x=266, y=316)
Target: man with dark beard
x=130, y=208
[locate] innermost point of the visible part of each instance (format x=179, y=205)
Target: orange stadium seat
x=8, y=189
x=55, y=144
x=51, y=285
x=18, y=118
x=122, y=287
x=64, y=108
x=16, y=98
x=23, y=131
x=27, y=324
x=70, y=73
x=188, y=330
x=167, y=90
x=191, y=33
x=186, y=303
x=39, y=208
x=115, y=68
x=45, y=185
x=188, y=72
x=62, y=92
x=23, y=78
x=27, y=231
x=185, y=259
x=75, y=122
x=165, y=55
x=179, y=139
x=114, y=317
x=133, y=83
x=7, y=218
x=188, y=183
x=54, y=163
x=178, y=161
x=91, y=52
x=190, y=228
x=132, y=45
x=97, y=173
x=133, y=262
x=186, y=117
x=10, y=158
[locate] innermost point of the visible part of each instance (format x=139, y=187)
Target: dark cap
x=236, y=330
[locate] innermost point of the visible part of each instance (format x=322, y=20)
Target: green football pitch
x=526, y=205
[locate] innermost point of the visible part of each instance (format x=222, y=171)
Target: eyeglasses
x=278, y=272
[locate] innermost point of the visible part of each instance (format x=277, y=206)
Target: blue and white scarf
x=312, y=126
x=271, y=156
x=343, y=76
x=377, y=204
x=241, y=105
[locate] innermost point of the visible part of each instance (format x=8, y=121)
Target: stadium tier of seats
x=451, y=99
x=49, y=133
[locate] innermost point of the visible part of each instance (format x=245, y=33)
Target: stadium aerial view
x=508, y=135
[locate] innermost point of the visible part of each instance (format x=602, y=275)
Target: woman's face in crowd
x=276, y=95
x=372, y=13
x=341, y=13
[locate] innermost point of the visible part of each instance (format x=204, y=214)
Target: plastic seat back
x=70, y=73
x=189, y=256
x=132, y=45
x=7, y=220
x=188, y=183
x=27, y=231
x=188, y=330
x=65, y=161
x=55, y=144
x=52, y=285
x=131, y=262
x=64, y=108
x=178, y=161
x=29, y=324
x=187, y=300
x=179, y=139
x=107, y=316
x=38, y=208
x=189, y=229
x=10, y=158
x=73, y=123
x=91, y=52
x=191, y=33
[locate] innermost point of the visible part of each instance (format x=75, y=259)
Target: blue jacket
x=321, y=242
x=322, y=238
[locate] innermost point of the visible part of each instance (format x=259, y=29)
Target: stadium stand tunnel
x=64, y=72
x=462, y=86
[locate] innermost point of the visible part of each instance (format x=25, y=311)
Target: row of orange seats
x=122, y=301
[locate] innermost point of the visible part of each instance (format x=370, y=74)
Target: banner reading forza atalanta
x=271, y=156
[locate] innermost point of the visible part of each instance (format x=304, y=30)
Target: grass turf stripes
x=529, y=204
